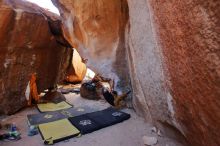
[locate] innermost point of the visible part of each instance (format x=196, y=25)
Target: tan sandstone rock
x=77, y=69
x=96, y=29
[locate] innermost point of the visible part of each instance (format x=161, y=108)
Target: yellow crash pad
x=56, y=131
x=49, y=107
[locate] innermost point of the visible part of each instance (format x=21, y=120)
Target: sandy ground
x=127, y=133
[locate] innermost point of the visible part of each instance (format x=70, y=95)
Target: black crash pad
x=84, y=124
x=90, y=122
x=108, y=117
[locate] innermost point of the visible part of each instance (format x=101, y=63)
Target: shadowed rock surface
x=27, y=46
x=188, y=34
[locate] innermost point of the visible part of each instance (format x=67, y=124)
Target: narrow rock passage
x=127, y=133
x=166, y=53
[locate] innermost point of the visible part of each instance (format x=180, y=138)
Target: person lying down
x=95, y=90
x=113, y=98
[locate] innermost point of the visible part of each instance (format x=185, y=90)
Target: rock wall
x=174, y=61
x=27, y=45
x=145, y=65
x=188, y=34
x=96, y=29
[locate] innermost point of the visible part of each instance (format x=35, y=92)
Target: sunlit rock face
x=27, y=46
x=76, y=71
x=96, y=29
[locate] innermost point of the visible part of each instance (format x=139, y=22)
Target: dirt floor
x=127, y=133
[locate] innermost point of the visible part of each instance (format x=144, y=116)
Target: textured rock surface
x=189, y=33
x=96, y=29
x=145, y=65
x=26, y=46
x=76, y=71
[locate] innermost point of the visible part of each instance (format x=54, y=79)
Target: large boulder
x=96, y=29
x=174, y=64
x=27, y=45
x=188, y=32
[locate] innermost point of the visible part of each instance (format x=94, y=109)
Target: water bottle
x=13, y=127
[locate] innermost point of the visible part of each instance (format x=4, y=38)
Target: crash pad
x=84, y=124
x=48, y=107
x=90, y=122
x=108, y=117
x=36, y=119
x=56, y=131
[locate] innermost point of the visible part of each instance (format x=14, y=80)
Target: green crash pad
x=36, y=119
x=56, y=131
x=49, y=107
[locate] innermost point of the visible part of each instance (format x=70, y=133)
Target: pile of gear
x=11, y=132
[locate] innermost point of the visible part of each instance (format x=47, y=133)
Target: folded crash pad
x=48, y=107
x=36, y=119
x=90, y=122
x=56, y=131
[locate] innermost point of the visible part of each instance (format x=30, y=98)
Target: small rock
x=154, y=129
x=149, y=140
x=159, y=133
